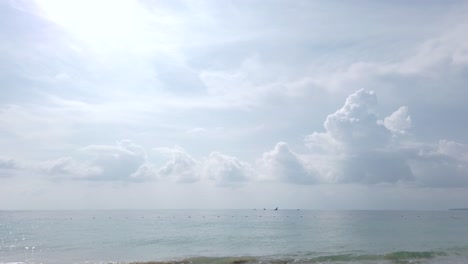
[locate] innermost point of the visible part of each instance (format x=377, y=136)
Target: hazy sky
x=233, y=104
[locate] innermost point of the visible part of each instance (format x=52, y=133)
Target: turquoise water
x=234, y=236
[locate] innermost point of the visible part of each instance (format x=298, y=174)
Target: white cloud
x=398, y=122
x=323, y=143
x=284, y=165
x=119, y=162
x=219, y=168
x=180, y=168
x=226, y=170
x=359, y=149
x=145, y=172
x=355, y=147
x=126, y=161
x=353, y=127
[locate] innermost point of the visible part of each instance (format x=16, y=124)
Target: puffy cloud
x=181, y=167
x=145, y=172
x=119, y=162
x=323, y=142
x=353, y=127
x=226, y=170
x=398, y=122
x=358, y=145
x=284, y=165
x=361, y=149
x=128, y=162
x=355, y=124
x=223, y=170
x=219, y=168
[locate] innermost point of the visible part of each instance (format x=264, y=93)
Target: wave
x=448, y=256
x=397, y=257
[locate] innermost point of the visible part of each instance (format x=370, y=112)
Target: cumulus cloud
x=358, y=145
x=226, y=170
x=323, y=143
x=360, y=149
x=119, y=162
x=221, y=169
x=145, y=172
x=181, y=167
x=353, y=127
x=355, y=124
x=398, y=122
x=126, y=161
x=284, y=165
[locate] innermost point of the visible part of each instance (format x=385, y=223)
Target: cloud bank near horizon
x=357, y=145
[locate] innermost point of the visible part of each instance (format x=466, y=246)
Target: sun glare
x=103, y=22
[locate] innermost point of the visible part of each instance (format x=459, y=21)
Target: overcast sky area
x=233, y=104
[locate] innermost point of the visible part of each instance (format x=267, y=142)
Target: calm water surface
x=234, y=236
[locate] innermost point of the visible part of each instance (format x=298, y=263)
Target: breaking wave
x=459, y=255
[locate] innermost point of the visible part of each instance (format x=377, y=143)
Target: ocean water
x=233, y=236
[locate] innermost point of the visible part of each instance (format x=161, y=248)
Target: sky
x=322, y=105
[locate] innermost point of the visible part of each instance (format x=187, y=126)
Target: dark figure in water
x=276, y=209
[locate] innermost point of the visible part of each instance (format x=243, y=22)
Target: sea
x=233, y=236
